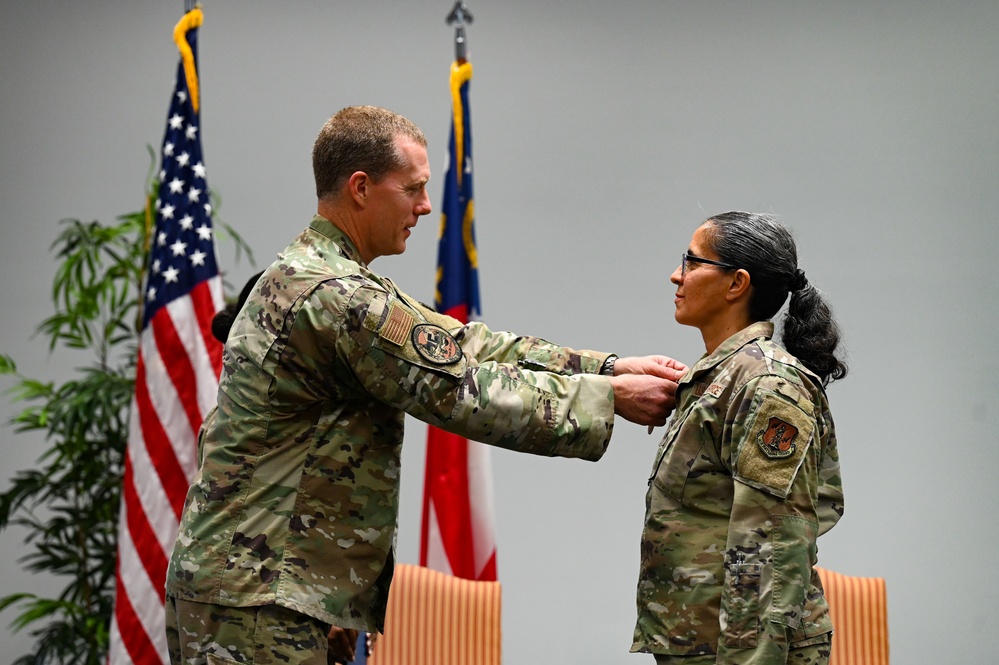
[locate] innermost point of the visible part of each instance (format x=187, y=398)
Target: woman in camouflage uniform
x=747, y=476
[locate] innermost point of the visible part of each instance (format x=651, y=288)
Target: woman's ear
x=739, y=286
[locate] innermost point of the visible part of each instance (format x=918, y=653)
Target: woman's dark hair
x=765, y=249
x=223, y=320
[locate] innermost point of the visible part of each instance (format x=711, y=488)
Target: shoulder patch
x=398, y=325
x=435, y=344
x=776, y=439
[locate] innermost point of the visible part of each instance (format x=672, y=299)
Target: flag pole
x=458, y=534
x=177, y=367
x=459, y=16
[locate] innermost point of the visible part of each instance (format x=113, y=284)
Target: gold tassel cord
x=461, y=73
x=189, y=21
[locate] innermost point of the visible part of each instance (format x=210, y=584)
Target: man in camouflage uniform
x=289, y=526
x=729, y=543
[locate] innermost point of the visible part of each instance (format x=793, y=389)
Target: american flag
x=458, y=536
x=176, y=374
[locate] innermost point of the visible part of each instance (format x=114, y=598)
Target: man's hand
x=643, y=399
x=660, y=366
x=648, y=397
x=341, y=644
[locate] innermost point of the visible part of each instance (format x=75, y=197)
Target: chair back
x=859, y=609
x=438, y=619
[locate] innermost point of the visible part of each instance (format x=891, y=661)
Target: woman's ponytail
x=810, y=334
x=766, y=250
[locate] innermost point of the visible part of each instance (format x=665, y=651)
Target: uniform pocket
x=740, y=617
x=680, y=452
x=666, y=475
x=794, y=551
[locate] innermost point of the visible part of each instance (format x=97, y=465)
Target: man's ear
x=358, y=185
x=739, y=286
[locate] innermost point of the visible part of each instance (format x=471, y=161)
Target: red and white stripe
x=458, y=527
x=176, y=386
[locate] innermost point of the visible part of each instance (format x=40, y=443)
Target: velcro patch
x=777, y=438
x=397, y=327
x=715, y=389
x=436, y=345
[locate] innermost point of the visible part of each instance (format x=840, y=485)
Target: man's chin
x=395, y=251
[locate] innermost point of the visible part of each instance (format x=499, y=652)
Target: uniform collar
x=348, y=249
x=707, y=362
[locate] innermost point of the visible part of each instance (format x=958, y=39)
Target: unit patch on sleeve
x=777, y=436
x=777, y=441
x=435, y=344
x=398, y=325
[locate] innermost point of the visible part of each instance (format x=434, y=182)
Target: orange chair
x=859, y=609
x=438, y=619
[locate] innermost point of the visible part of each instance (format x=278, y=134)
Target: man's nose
x=424, y=207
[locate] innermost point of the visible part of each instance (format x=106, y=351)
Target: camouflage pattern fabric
x=817, y=654
x=745, y=480
x=203, y=634
x=296, y=501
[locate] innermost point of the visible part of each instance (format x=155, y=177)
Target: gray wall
x=604, y=133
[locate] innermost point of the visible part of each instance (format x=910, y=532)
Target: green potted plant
x=68, y=504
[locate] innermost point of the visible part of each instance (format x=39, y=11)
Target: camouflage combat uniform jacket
x=296, y=500
x=744, y=481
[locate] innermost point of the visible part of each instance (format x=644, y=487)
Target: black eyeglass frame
x=685, y=257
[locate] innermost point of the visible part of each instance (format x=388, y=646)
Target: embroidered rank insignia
x=715, y=389
x=435, y=344
x=397, y=328
x=777, y=440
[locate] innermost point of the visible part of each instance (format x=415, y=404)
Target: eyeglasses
x=686, y=258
